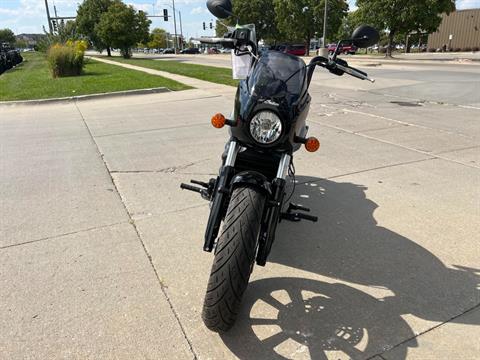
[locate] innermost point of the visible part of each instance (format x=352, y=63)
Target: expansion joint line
x=132, y=222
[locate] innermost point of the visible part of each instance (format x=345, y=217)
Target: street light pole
x=175, y=25
x=181, y=28
x=325, y=23
x=48, y=17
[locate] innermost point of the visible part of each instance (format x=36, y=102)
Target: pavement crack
x=152, y=130
x=460, y=149
x=426, y=153
x=477, y=306
x=140, y=239
x=366, y=170
x=380, y=168
x=62, y=235
x=143, y=218
x=168, y=170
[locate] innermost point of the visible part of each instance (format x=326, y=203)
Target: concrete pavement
x=100, y=251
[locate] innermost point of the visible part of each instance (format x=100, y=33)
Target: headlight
x=266, y=127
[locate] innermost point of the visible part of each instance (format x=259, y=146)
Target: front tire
x=234, y=258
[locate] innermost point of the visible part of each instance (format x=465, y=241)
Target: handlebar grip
x=216, y=40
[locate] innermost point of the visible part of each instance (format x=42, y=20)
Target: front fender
x=252, y=178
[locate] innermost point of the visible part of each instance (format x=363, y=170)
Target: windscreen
x=277, y=74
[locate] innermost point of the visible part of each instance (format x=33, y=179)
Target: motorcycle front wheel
x=234, y=259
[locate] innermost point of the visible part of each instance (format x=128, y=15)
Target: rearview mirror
x=365, y=36
x=221, y=9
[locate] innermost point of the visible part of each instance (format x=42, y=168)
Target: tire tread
x=234, y=258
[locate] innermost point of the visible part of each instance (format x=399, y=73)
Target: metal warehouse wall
x=464, y=25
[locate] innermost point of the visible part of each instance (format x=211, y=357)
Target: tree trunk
x=109, y=51
x=390, y=44
x=308, y=45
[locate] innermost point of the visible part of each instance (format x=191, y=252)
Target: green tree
x=7, y=35
x=349, y=23
x=68, y=31
x=258, y=12
x=299, y=20
x=403, y=17
x=220, y=28
x=122, y=27
x=89, y=14
x=21, y=44
x=158, y=39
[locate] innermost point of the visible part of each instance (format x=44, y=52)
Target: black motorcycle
x=267, y=126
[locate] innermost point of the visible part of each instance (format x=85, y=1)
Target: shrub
x=467, y=49
x=475, y=49
x=66, y=59
x=432, y=50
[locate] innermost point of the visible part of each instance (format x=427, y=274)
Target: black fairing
x=277, y=83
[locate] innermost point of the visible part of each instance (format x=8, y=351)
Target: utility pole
x=181, y=28
x=175, y=26
x=325, y=23
x=48, y=17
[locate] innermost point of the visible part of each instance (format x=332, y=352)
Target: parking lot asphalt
x=101, y=252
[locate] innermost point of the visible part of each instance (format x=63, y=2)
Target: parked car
x=190, y=51
x=225, y=51
x=168, y=51
x=344, y=49
x=298, y=50
x=213, y=51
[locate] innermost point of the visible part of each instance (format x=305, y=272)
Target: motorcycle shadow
x=333, y=319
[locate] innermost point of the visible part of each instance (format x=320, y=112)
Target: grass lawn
x=202, y=72
x=32, y=80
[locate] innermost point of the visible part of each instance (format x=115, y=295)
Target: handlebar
x=334, y=66
x=225, y=42
x=354, y=72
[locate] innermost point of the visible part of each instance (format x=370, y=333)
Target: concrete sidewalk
x=101, y=253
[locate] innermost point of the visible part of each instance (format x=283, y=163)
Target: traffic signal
x=211, y=25
x=54, y=25
x=165, y=14
x=204, y=27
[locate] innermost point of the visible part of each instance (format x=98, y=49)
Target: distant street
x=101, y=252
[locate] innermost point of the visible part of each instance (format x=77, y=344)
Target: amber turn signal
x=312, y=144
x=218, y=121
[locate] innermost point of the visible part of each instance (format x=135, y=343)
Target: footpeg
x=297, y=216
x=192, y=188
x=206, y=189
x=293, y=206
x=201, y=183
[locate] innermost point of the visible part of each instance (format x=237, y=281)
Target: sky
x=28, y=16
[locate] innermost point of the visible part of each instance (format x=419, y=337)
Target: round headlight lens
x=266, y=127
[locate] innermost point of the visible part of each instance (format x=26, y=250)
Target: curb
x=87, y=97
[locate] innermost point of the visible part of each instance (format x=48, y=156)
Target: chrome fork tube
x=283, y=166
x=232, y=153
